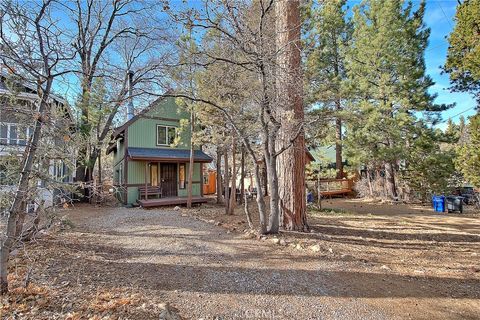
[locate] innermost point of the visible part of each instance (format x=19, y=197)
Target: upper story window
x=166, y=135
x=13, y=134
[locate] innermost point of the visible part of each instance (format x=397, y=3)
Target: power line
x=456, y=115
x=444, y=14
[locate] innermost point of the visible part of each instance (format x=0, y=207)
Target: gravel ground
x=370, y=262
x=208, y=273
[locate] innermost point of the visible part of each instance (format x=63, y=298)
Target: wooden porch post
x=201, y=179
x=146, y=183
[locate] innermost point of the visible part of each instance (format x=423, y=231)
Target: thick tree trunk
x=191, y=162
x=21, y=194
x=369, y=180
x=226, y=181
x=291, y=163
x=219, y=176
x=233, y=193
x=390, y=180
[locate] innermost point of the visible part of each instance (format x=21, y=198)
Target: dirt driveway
x=209, y=272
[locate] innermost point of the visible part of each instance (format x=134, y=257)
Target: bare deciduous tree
x=33, y=46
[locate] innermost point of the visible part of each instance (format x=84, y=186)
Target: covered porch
x=160, y=176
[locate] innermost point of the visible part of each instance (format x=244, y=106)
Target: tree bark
x=233, y=194
x=219, y=176
x=242, y=175
x=338, y=144
x=369, y=180
x=247, y=212
x=262, y=210
x=274, y=219
x=390, y=180
x=291, y=163
x=22, y=214
x=226, y=181
x=191, y=162
x=264, y=190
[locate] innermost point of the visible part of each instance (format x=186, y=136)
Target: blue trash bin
x=438, y=203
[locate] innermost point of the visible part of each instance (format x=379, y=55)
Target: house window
x=11, y=133
x=181, y=176
x=166, y=135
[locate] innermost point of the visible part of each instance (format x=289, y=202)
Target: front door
x=168, y=179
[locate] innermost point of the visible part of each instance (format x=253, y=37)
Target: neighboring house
x=18, y=102
x=151, y=152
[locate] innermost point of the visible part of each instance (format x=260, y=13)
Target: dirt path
x=119, y=263
x=208, y=273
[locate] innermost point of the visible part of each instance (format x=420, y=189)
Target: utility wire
x=456, y=115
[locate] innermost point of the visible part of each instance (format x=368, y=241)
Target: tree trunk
x=291, y=163
x=233, y=194
x=242, y=175
x=22, y=190
x=369, y=180
x=390, y=180
x=319, y=192
x=264, y=179
x=247, y=212
x=22, y=214
x=191, y=163
x=338, y=144
x=100, y=178
x=274, y=219
x=226, y=181
x=219, y=176
x=262, y=211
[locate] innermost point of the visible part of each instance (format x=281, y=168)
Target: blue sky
x=439, y=16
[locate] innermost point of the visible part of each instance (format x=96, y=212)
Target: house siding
x=136, y=175
x=143, y=133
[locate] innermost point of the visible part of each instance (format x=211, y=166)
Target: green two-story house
x=151, y=154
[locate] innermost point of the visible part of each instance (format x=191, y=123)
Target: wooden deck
x=331, y=187
x=169, y=201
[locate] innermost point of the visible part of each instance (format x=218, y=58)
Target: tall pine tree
x=463, y=57
x=386, y=69
x=326, y=40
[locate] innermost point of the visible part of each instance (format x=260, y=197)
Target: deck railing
x=331, y=186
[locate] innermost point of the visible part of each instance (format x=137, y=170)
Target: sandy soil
x=369, y=261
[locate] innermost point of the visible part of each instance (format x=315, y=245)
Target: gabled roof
x=165, y=154
x=139, y=115
x=29, y=92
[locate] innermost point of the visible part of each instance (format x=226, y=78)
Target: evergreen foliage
x=463, y=57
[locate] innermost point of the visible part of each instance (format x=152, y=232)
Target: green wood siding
x=136, y=172
x=143, y=132
x=136, y=175
x=196, y=178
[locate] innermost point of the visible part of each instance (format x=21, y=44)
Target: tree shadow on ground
x=224, y=279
